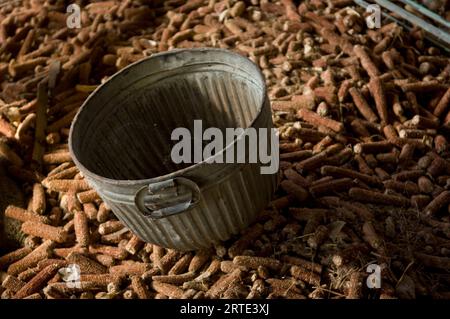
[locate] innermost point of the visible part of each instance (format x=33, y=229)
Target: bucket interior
x=123, y=132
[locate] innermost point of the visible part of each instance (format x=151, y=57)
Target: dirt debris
x=364, y=121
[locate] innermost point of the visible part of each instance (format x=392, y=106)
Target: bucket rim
x=181, y=172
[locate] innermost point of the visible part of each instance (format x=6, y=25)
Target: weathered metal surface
x=121, y=141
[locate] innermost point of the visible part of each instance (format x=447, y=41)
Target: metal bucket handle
x=174, y=195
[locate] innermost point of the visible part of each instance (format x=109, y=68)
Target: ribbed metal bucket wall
x=121, y=141
x=227, y=209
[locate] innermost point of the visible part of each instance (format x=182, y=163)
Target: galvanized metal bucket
x=121, y=141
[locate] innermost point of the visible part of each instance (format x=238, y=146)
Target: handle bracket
x=167, y=198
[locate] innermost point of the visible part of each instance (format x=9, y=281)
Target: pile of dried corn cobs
x=364, y=120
